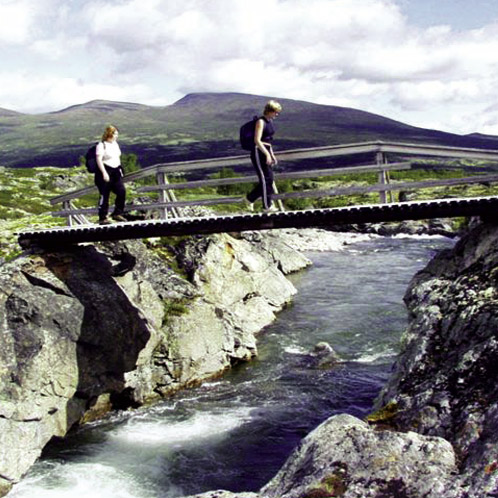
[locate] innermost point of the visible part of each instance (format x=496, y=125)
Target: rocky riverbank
x=433, y=434
x=114, y=326
x=110, y=326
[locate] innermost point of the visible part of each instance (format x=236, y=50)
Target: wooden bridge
x=169, y=220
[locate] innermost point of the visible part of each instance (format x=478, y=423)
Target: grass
x=25, y=201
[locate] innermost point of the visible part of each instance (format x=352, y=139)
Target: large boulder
x=68, y=334
x=345, y=457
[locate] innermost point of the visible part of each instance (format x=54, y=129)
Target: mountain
x=7, y=113
x=198, y=125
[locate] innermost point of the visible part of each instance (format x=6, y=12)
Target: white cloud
x=15, y=22
x=39, y=93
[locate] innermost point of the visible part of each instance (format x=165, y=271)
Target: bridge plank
x=56, y=238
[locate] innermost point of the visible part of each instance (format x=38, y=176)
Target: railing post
x=165, y=195
x=66, y=205
x=383, y=179
x=170, y=195
x=163, y=212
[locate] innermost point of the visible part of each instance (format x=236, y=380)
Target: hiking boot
x=271, y=209
x=118, y=217
x=105, y=221
x=248, y=204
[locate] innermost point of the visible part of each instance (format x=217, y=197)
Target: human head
x=272, y=106
x=109, y=133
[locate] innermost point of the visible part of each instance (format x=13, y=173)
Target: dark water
x=236, y=433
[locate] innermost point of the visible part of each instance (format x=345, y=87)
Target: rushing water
x=235, y=433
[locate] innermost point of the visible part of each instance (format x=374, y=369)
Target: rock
x=443, y=227
x=111, y=326
x=68, y=333
x=325, y=355
x=345, y=457
x=445, y=380
x=308, y=239
x=225, y=494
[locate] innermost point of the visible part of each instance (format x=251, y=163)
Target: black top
x=268, y=130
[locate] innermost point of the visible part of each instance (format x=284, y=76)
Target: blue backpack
x=247, y=134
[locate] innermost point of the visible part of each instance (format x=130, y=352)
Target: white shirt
x=110, y=153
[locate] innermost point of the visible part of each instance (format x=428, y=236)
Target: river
x=236, y=432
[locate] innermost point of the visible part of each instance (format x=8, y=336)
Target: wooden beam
x=439, y=151
x=373, y=168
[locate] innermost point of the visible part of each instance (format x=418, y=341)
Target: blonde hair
x=272, y=106
x=109, y=132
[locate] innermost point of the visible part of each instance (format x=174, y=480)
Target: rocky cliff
x=445, y=382
x=92, y=328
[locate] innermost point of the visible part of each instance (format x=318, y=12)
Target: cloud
x=38, y=93
x=358, y=53
x=15, y=22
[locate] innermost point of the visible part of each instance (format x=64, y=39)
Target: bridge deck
x=322, y=218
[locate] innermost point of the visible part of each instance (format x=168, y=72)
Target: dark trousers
x=115, y=185
x=264, y=188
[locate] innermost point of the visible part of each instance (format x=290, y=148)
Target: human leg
x=264, y=188
x=119, y=190
x=105, y=192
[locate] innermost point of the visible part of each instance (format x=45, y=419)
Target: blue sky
x=429, y=63
x=459, y=14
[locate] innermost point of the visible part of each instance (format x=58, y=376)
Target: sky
x=427, y=63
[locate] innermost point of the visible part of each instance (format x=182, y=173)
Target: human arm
x=100, y=163
x=274, y=159
x=264, y=147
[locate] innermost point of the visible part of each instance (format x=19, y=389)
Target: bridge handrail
x=296, y=154
x=380, y=148
x=303, y=194
x=225, y=162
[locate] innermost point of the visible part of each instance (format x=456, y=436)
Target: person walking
x=109, y=176
x=262, y=157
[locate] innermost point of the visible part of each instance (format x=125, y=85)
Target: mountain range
x=199, y=125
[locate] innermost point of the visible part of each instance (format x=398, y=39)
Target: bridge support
x=165, y=195
x=380, y=159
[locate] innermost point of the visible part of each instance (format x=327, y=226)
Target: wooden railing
x=168, y=204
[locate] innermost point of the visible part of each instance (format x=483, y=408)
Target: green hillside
x=198, y=125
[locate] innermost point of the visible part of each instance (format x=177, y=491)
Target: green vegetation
x=385, y=415
x=331, y=486
x=174, y=307
x=25, y=201
x=164, y=248
x=231, y=190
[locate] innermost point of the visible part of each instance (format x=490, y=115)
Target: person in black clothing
x=109, y=176
x=263, y=158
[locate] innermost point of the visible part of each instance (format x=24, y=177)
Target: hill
x=198, y=125
x=7, y=113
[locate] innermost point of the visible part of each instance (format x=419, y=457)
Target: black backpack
x=247, y=134
x=91, y=158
